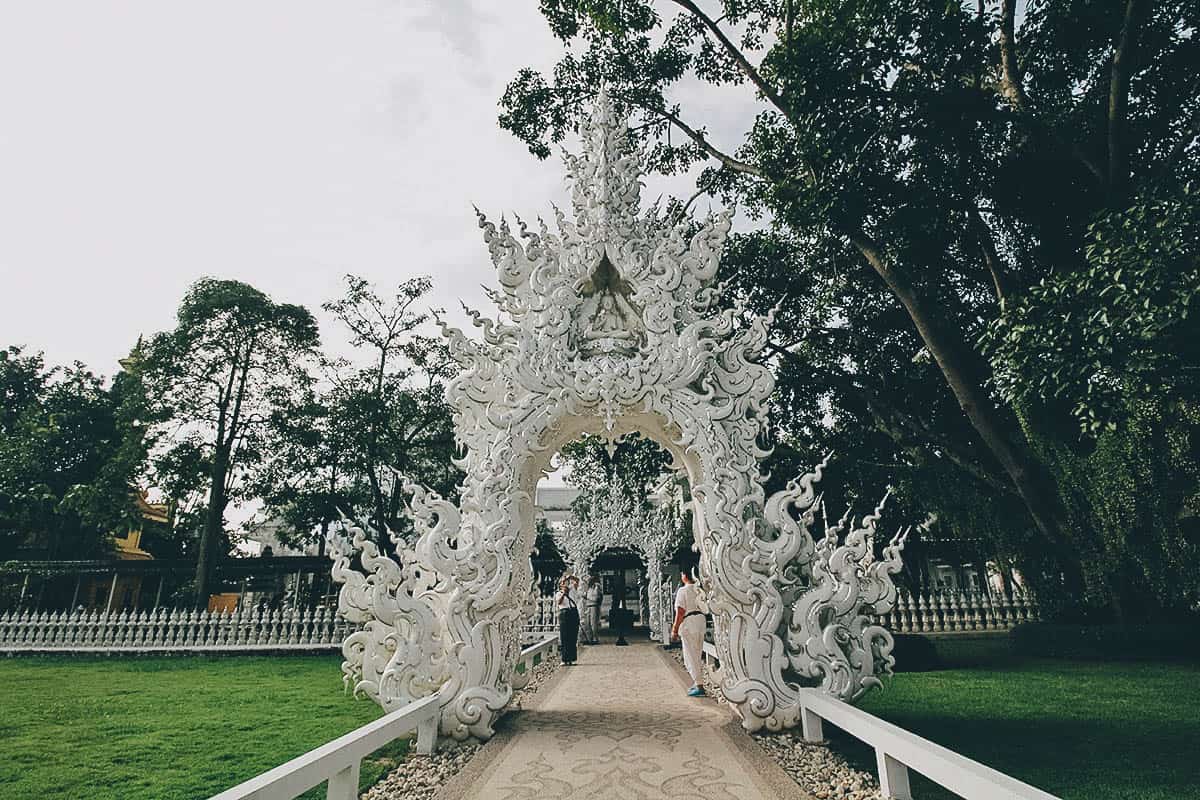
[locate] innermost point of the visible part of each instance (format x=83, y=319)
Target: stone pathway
x=618, y=725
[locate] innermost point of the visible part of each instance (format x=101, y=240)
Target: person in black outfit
x=568, y=618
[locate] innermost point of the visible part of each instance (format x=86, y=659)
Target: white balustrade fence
x=543, y=617
x=166, y=630
x=947, y=612
x=940, y=612
x=162, y=629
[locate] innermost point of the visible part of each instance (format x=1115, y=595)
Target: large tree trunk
x=214, y=524
x=380, y=510
x=1036, y=489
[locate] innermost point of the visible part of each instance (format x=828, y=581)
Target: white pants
x=593, y=614
x=691, y=636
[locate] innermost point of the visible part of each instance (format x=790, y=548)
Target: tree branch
x=728, y=161
x=991, y=258
x=1010, y=72
x=1118, y=101
x=894, y=423
x=1012, y=89
x=743, y=63
x=749, y=70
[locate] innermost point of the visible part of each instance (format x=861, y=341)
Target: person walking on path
x=568, y=618
x=592, y=599
x=689, y=629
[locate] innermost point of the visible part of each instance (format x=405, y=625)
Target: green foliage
x=234, y=358
x=390, y=413
x=71, y=449
x=1155, y=642
x=636, y=464
x=307, y=480
x=333, y=447
x=1137, y=486
x=983, y=174
x=1121, y=328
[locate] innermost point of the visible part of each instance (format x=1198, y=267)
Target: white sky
x=147, y=143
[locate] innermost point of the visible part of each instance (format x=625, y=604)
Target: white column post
x=810, y=727
x=893, y=777
x=112, y=591
x=344, y=785
x=427, y=729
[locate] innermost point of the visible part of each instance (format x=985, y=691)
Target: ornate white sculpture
x=610, y=325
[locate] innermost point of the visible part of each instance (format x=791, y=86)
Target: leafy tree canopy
x=943, y=194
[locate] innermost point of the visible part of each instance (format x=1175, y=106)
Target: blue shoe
x=696, y=691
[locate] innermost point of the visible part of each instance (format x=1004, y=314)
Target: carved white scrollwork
x=610, y=324
x=616, y=520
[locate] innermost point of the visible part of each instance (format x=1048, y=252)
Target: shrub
x=1165, y=642
x=915, y=653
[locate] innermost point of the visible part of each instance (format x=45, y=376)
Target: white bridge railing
x=532, y=656
x=897, y=751
x=339, y=762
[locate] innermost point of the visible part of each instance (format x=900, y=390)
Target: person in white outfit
x=591, y=608
x=689, y=630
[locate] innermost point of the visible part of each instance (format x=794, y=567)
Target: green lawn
x=166, y=728
x=184, y=728
x=1125, y=731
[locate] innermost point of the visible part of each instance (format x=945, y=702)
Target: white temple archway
x=611, y=325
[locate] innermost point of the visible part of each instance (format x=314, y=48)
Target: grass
x=185, y=728
x=167, y=728
x=1079, y=730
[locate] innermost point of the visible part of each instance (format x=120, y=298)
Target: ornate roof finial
x=606, y=176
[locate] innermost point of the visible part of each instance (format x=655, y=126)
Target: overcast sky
x=147, y=143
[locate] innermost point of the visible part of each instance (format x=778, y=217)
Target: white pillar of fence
x=959, y=612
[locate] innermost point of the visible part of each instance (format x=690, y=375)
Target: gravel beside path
x=817, y=769
x=420, y=777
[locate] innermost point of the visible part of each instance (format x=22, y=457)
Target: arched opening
x=614, y=514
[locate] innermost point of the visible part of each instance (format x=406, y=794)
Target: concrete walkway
x=618, y=725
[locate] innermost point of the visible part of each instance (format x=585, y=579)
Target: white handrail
x=897, y=751
x=543, y=648
x=339, y=761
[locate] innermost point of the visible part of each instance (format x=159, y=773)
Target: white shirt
x=685, y=598
x=567, y=600
x=593, y=595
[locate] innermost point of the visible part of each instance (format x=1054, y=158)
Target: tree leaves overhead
x=974, y=217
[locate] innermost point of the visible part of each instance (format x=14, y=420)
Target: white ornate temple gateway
x=611, y=325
